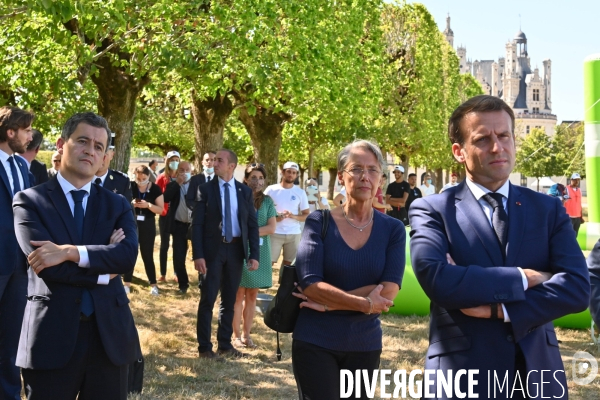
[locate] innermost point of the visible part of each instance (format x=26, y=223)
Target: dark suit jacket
x=9, y=249
x=207, y=220
x=119, y=183
x=540, y=237
x=51, y=319
x=192, y=194
x=593, y=262
x=39, y=172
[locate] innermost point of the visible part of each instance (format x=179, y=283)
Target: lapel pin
x=518, y=203
x=111, y=177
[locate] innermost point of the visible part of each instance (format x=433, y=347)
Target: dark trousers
x=146, y=236
x=576, y=222
x=180, y=248
x=224, y=273
x=399, y=213
x=89, y=372
x=317, y=370
x=165, y=237
x=13, y=292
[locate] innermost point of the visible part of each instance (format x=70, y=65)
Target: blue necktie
x=87, y=304
x=499, y=218
x=15, y=175
x=228, y=228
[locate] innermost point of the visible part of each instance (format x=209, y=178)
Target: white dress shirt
x=6, y=165
x=235, y=222
x=102, y=178
x=67, y=187
x=479, y=191
x=208, y=177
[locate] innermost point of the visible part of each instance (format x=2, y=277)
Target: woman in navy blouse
x=347, y=279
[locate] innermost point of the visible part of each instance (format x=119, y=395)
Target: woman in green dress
x=261, y=278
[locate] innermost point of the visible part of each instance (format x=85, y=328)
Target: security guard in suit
x=115, y=181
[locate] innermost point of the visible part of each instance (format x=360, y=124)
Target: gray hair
x=88, y=118
x=342, y=159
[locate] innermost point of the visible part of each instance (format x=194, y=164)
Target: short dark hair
x=483, y=103
x=411, y=175
x=151, y=163
x=13, y=118
x=88, y=118
x=143, y=169
x=36, y=140
x=232, y=157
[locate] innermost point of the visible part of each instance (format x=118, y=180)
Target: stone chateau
x=511, y=78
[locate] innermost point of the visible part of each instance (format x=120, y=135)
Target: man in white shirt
x=292, y=207
x=427, y=188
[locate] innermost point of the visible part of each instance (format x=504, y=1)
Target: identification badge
x=260, y=242
x=141, y=217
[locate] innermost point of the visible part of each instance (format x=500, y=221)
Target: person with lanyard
x=147, y=202
x=167, y=176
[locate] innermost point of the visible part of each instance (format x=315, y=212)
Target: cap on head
x=173, y=153
x=575, y=176
x=292, y=165
x=399, y=168
x=454, y=174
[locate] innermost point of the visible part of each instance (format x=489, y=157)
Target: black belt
x=87, y=318
x=234, y=239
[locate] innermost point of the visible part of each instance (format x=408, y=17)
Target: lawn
x=167, y=328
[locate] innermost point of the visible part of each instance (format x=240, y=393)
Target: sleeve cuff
x=506, y=317
x=84, y=259
x=523, y=278
x=105, y=279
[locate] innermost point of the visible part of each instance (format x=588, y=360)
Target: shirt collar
x=479, y=191
x=67, y=186
x=102, y=178
x=4, y=156
x=231, y=182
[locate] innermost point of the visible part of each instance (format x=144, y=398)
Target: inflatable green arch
x=412, y=300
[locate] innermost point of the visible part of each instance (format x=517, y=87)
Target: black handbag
x=284, y=309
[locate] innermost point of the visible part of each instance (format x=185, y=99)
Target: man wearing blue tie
x=499, y=263
x=15, y=135
x=78, y=336
x=224, y=234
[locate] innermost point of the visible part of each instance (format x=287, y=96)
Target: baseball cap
x=292, y=165
x=575, y=176
x=173, y=153
x=454, y=174
x=399, y=168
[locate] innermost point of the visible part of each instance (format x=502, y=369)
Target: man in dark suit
x=37, y=169
x=78, y=334
x=207, y=174
x=115, y=181
x=15, y=135
x=179, y=218
x=224, y=234
x=499, y=263
x=55, y=165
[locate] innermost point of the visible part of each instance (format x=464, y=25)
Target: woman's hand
x=378, y=304
x=308, y=302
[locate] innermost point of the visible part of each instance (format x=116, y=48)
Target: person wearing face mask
x=208, y=173
x=168, y=175
x=179, y=218
x=147, y=202
x=262, y=278
x=315, y=200
x=427, y=188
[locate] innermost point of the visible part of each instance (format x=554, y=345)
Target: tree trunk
x=332, y=180
x=439, y=178
x=210, y=116
x=264, y=128
x=311, y=162
x=117, y=95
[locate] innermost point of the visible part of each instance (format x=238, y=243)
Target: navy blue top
x=381, y=259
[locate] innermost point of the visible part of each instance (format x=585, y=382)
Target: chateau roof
x=520, y=36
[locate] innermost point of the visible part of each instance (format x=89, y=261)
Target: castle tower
x=448, y=32
x=510, y=84
x=464, y=65
x=547, y=64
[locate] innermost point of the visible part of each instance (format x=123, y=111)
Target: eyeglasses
x=358, y=172
x=254, y=165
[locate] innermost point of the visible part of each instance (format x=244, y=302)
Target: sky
x=565, y=32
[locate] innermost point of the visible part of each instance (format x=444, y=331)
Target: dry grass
x=167, y=327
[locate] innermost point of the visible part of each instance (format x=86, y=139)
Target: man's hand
x=484, y=311
x=117, y=236
x=252, y=265
x=49, y=254
x=536, y=277
x=180, y=178
x=200, y=265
